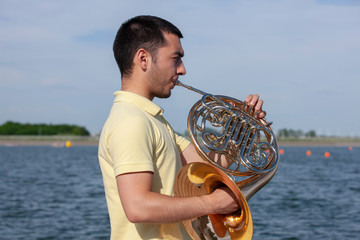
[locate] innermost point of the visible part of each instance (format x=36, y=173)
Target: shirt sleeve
x=131, y=146
x=181, y=142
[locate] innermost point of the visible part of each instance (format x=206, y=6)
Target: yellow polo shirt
x=136, y=137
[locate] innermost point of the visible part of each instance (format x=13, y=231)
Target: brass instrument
x=221, y=128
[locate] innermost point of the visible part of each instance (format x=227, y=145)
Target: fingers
x=252, y=99
x=260, y=115
x=255, y=103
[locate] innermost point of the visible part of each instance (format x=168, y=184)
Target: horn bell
x=196, y=179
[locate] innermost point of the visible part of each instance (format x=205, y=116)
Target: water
x=311, y=197
x=51, y=193
x=57, y=193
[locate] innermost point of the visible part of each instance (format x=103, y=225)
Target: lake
x=57, y=193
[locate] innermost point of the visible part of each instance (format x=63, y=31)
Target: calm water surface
x=57, y=193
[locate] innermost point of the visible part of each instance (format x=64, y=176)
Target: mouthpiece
x=178, y=83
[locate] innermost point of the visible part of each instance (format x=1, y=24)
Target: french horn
x=241, y=153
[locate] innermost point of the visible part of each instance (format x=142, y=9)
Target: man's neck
x=137, y=87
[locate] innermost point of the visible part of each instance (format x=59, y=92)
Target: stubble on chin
x=164, y=95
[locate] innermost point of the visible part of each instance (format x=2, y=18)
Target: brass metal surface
x=242, y=154
x=197, y=179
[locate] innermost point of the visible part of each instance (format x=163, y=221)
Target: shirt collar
x=139, y=101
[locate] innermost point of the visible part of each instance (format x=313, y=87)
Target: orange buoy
x=326, y=154
x=68, y=144
x=308, y=153
x=281, y=151
x=350, y=148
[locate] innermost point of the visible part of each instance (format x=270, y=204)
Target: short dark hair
x=140, y=32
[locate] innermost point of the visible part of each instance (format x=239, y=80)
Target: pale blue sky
x=301, y=56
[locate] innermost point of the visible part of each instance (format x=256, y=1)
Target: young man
x=139, y=152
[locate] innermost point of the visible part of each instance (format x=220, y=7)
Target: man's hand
x=223, y=201
x=254, y=101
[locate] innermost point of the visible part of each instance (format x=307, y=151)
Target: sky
x=301, y=56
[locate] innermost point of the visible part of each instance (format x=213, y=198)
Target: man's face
x=164, y=73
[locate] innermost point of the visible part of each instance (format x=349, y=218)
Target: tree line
x=291, y=133
x=15, y=128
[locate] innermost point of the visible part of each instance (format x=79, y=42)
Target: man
x=139, y=152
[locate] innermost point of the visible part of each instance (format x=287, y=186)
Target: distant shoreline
x=55, y=141
x=320, y=143
x=60, y=141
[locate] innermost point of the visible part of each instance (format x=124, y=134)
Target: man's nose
x=181, y=69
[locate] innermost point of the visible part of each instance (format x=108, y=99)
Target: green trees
x=15, y=128
x=290, y=133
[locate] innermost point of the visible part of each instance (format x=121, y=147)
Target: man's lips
x=174, y=82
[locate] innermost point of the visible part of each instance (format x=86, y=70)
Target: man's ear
x=142, y=59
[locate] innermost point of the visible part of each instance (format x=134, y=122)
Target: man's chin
x=164, y=95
